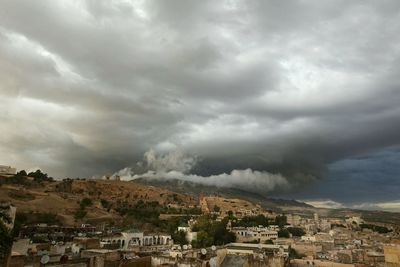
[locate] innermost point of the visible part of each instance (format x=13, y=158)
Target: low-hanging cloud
x=177, y=166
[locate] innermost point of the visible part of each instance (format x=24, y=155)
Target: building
x=128, y=240
x=259, y=234
x=317, y=263
x=354, y=220
x=316, y=217
x=293, y=220
x=246, y=248
x=190, y=236
x=7, y=170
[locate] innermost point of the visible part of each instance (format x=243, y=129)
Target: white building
x=259, y=233
x=324, y=226
x=355, y=220
x=293, y=220
x=7, y=170
x=127, y=240
x=190, y=236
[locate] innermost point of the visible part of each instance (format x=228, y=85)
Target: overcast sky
x=305, y=89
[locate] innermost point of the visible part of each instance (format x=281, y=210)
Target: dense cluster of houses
x=323, y=242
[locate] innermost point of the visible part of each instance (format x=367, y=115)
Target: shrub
x=86, y=202
x=80, y=214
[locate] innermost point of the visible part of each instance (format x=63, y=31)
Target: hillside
x=64, y=198
x=195, y=189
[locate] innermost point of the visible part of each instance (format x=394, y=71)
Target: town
x=209, y=230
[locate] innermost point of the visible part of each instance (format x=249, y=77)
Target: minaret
x=316, y=218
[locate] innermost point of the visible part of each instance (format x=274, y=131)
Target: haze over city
x=291, y=99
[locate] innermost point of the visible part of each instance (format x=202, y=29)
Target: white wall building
x=126, y=240
x=4, y=170
x=260, y=233
x=190, y=236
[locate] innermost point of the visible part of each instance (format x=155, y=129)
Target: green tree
x=39, y=176
x=293, y=254
x=295, y=231
x=281, y=220
x=250, y=221
x=203, y=240
x=6, y=238
x=284, y=233
x=212, y=232
x=80, y=214
x=179, y=237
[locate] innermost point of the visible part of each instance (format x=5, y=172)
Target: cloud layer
x=177, y=166
x=87, y=87
x=392, y=206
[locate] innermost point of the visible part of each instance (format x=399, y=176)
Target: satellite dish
x=80, y=234
x=185, y=247
x=44, y=259
x=261, y=256
x=260, y=246
x=179, y=247
x=213, y=248
x=53, y=242
x=203, y=251
x=190, y=247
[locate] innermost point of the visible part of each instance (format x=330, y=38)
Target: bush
x=39, y=176
x=144, y=211
x=6, y=241
x=80, y=214
x=376, y=228
x=216, y=208
x=86, y=202
x=293, y=254
x=251, y=221
x=179, y=237
x=105, y=204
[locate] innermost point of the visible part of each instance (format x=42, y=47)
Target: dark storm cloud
x=369, y=181
x=278, y=86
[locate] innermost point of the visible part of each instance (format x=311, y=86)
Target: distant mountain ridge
x=195, y=189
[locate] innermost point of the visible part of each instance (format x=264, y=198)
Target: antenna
x=203, y=251
x=213, y=248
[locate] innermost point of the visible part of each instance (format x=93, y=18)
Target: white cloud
x=328, y=204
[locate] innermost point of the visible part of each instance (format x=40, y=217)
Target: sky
x=285, y=98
